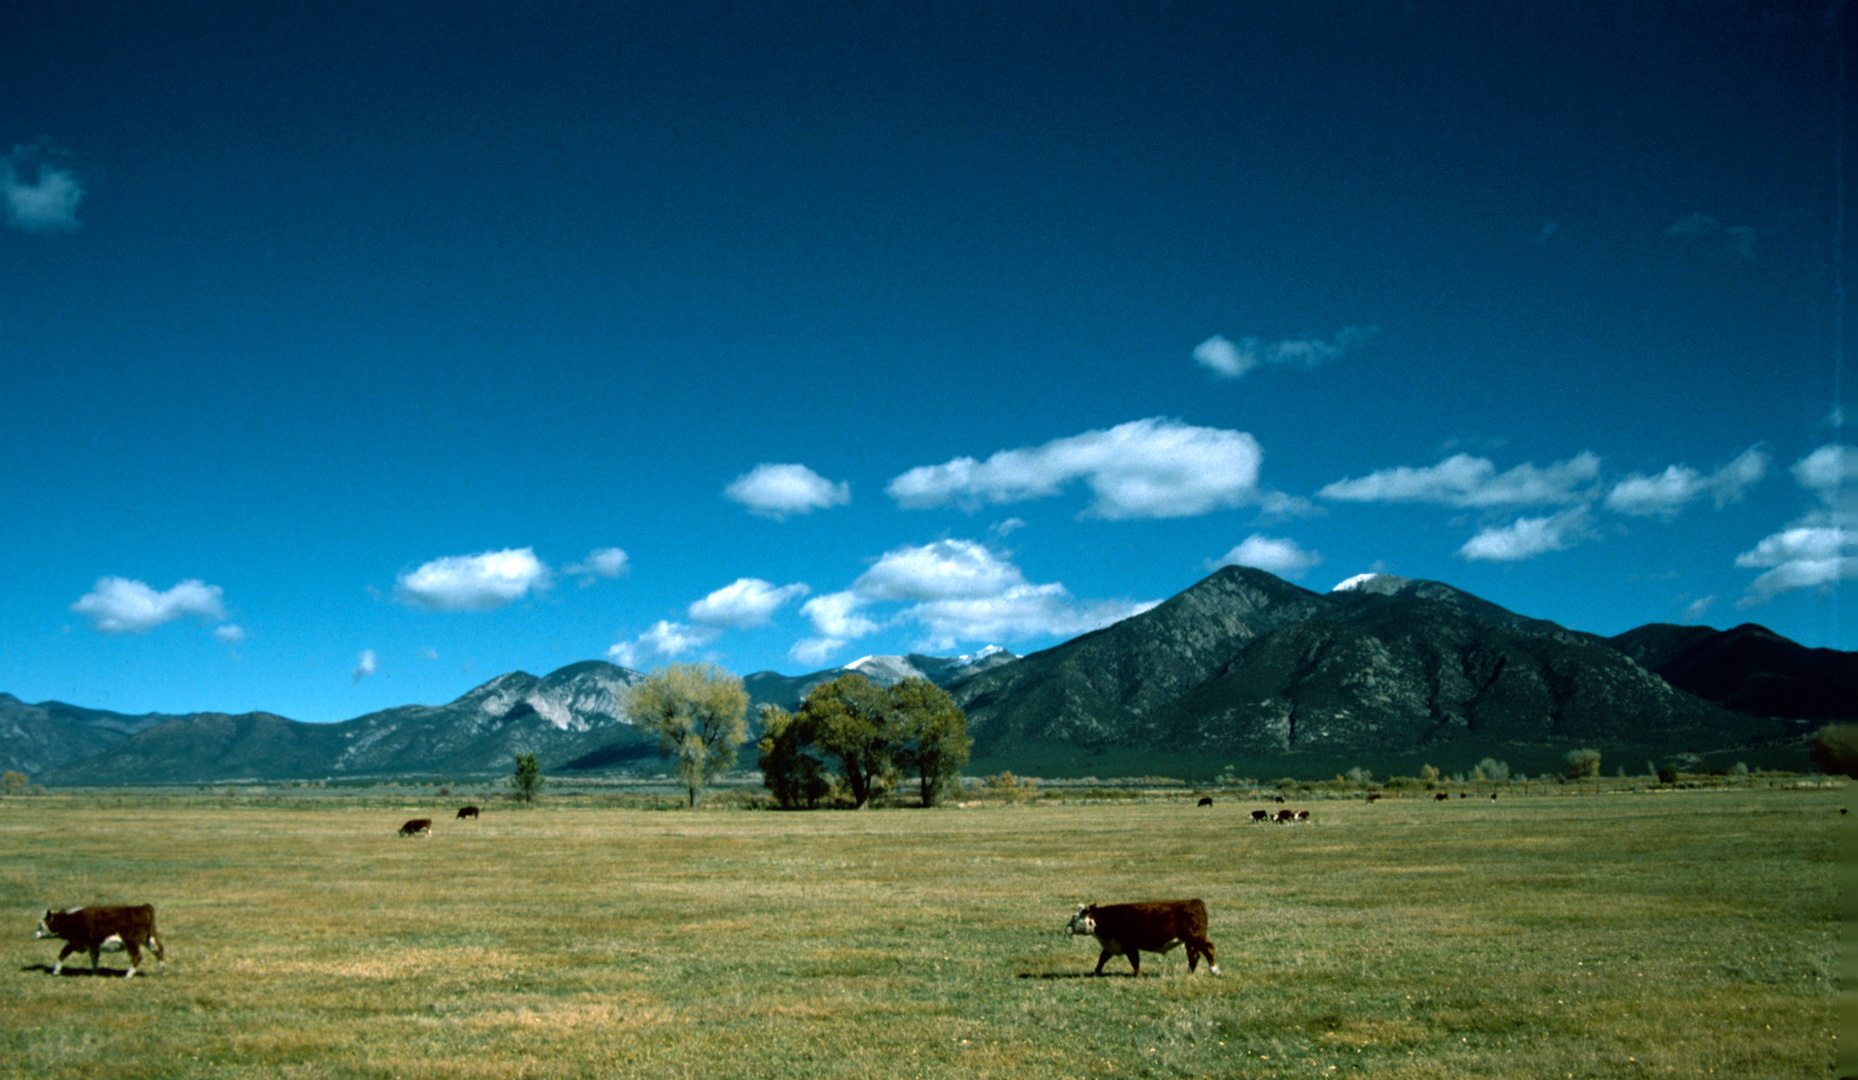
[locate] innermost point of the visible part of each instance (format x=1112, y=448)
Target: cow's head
x=1085, y=921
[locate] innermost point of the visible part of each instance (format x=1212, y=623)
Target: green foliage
x=1835, y=749
x=934, y=734
x=1491, y=769
x=870, y=736
x=527, y=779
x=1668, y=775
x=699, y=713
x=1429, y=773
x=789, y=768
x=1583, y=764
x=13, y=783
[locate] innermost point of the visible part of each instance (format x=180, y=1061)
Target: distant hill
x=1749, y=669
x=34, y=739
x=570, y=719
x=566, y=717
x=1242, y=669
x=1249, y=670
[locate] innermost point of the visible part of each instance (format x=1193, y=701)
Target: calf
x=1205, y=801
x=1261, y=815
x=1441, y=796
x=416, y=827
x=1156, y=926
x=467, y=812
x=103, y=929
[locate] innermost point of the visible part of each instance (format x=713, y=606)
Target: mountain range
x=1241, y=671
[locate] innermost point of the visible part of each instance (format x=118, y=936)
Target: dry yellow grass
x=1597, y=936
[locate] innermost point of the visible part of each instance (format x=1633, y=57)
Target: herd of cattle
x=1156, y=926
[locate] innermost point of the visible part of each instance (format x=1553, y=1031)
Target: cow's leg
x=135, y=954
x=70, y=947
x=94, y=950
x=1103, y=958
x=1212, y=965
x=1135, y=963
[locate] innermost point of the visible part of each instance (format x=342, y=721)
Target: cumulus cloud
x=1698, y=608
x=1154, y=468
x=365, y=665
x=942, y=570
x=665, y=640
x=1525, y=538
x=1472, y=482
x=1668, y=492
x=40, y=196
x=952, y=591
x=1827, y=470
x=1281, y=557
x=743, y=603
x=600, y=563
x=779, y=491
x=1233, y=359
x=481, y=582
x=122, y=606
x=1023, y=611
x=1820, y=549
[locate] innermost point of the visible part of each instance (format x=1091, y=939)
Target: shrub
x=1667, y=775
x=1583, y=764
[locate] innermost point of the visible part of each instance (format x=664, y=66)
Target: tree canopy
x=872, y=736
x=699, y=712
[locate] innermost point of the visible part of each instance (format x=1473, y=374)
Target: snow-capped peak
x=1372, y=583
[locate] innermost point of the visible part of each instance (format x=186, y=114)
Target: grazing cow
x=466, y=811
x=1261, y=815
x=1285, y=817
x=1155, y=926
x=1374, y=796
x=1280, y=798
x=1205, y=801
x=103, y=929
x=1493, y=796
x=1303, y=815
x=417, y=826
x=1441, y=796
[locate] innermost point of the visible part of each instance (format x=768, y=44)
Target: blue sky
x=355, y=354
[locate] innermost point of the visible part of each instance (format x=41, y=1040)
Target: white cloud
x=45, y=203
x=600, y=563
x=1232, y=360
x=479, y=582
x=122, y=606
x=943, y=570
x=1827, y=469
x=1465, y=481
x=744, y=603
x=954, y=591
x=1281, y=557
x=665, y=639
x=1023, y=611
x=229, y=634
x=1154, y=468
x=1818, y=550
x=777, y=491
x=1668, y=492
x=1526, y=538
x=1698, y=607
x=365, y=665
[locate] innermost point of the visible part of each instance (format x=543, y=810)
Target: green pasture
x=1685, y=933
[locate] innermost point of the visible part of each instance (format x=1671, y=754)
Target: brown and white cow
x=416, y=827
x=1286, y=816
x=1156, y=926
x=103, y=929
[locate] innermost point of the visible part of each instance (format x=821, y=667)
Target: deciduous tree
x=699, y=712
x=935, y=734
x=789, y=767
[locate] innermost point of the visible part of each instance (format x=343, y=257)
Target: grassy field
x=1621, y=935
